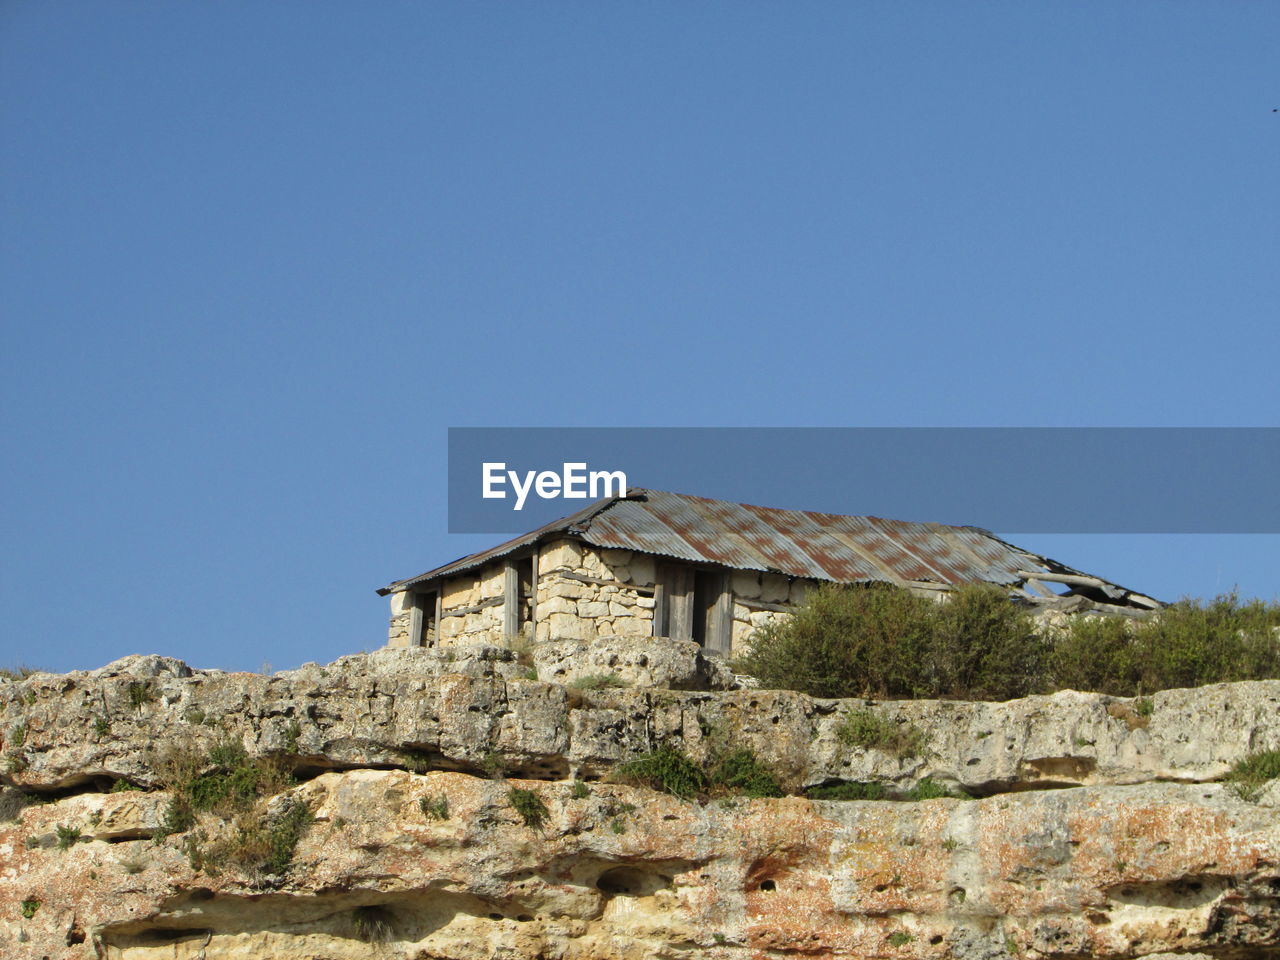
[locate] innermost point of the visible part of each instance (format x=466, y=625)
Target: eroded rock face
x=1124, y=866
x=411, y=708
x=626, y=873
x=652, y=662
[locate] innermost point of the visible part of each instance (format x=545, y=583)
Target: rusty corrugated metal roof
x=797, y=543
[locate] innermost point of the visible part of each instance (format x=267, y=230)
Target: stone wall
x=582, y=594
x=585, y=593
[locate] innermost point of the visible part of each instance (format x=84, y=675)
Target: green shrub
x=982, y=646
x=740, y=772
x=1186, y=644
x=900, y=938
x=29, y=908
x=668, y=770
x=233, y=785
x=123, y=786
x=434, y=807
x=18, y=735
x=68, y=837
x=847, y=790
x=599, y=681
x=579, y=790
x=529, y=805
x=102, y=726
x=1254, y=772
x=880, y=641
x=284, y=833
x=928, y=789
x=140, y=694
x=844, y=641
x=868, y=730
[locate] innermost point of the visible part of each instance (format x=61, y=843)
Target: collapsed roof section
x=812, y=545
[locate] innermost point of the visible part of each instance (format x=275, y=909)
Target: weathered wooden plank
x=474, y=608
x=597, y=581
x=415, y=619
x=763, y=605
x=720, y=621
x=659, y=610
x=510, y=599
x=533, y=593
x=678, y=581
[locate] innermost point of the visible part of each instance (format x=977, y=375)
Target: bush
x=880, y=641
x=434, y=807
x=264, y=846
x=68, y=837
x=742, y=773
x=529, y=805
x=1254, y=772
x=599, y=681
x=1187, y=644
x=668, y=770
x=870, y=731
x=848, y=790
x=844, y=641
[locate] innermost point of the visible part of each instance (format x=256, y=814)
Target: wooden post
x=415, y=619
x=510, y=600
x=439, y=611
x=533, y=594
x=679, y=585
x=720, y=621
x=659, y=609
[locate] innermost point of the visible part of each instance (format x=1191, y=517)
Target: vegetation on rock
x=882, y=641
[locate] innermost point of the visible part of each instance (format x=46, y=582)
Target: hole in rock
x=631, y=882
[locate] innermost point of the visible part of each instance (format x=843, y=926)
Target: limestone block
x=460, y=592
x=645, y=603
x=491, y=582
x=642, y=569
x=560, y=587
x=622, y=573
x=746, y=583
x=400, y=602
x=593, y=566
x=561, y=553
x=619, y=609
x=632, y=626
x=799, y=590
x=774, y=588
x=616, y=558
x=570, y=627
x=592, y=608
x=556, y=605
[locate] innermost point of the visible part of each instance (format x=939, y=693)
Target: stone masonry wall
x=585, y=593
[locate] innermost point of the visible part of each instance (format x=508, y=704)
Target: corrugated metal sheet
x=798, y=543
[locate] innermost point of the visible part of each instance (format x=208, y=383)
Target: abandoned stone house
x=666, y=564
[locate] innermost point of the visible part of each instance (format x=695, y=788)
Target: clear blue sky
x=256, y=257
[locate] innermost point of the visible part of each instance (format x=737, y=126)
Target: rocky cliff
x=406, y=805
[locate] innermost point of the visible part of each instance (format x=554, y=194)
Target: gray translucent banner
x=1005, y=479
